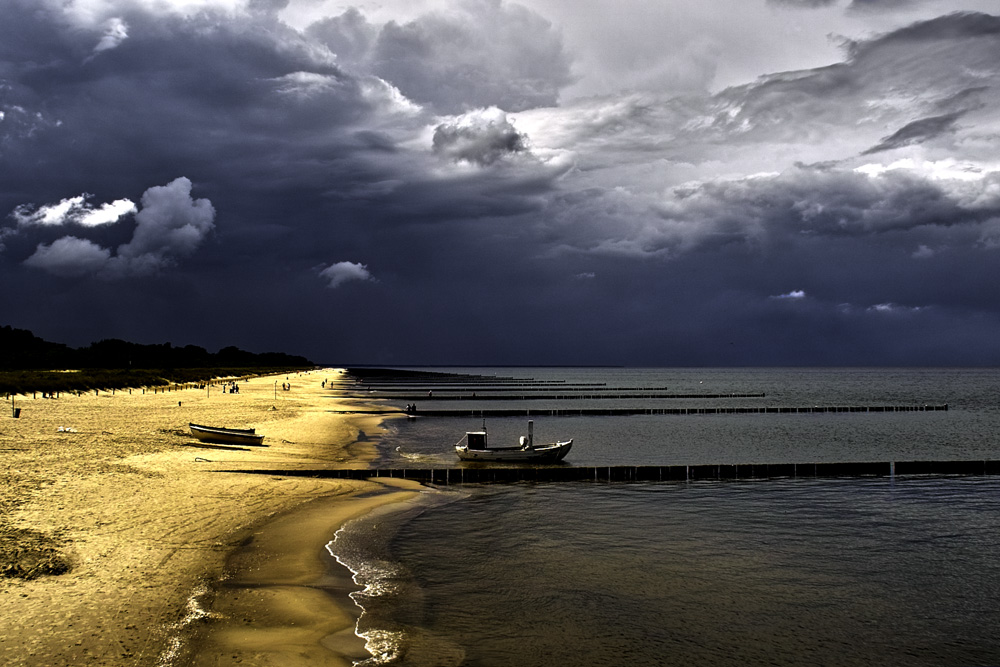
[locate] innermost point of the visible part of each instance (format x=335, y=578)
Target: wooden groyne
x=385, y=377
x=483, y=385
x=486, y=474
x=578, y=412
x=592, y=388
x=551, y=397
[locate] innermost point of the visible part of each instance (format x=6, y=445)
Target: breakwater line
x=548, y=397
x=466, y=391
x=487, y=474
x=577, y=412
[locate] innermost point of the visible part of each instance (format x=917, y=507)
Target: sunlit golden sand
x=116, y=486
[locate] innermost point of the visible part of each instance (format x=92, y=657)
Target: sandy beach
x=113, y=487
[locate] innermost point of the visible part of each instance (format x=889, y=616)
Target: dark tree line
x=22, y=350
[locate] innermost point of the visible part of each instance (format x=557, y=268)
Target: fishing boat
x=476, y=448
x=229, y=436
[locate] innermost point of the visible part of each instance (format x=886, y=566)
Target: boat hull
x=550, y=453
x=227, y=436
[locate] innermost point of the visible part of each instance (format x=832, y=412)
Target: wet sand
x=115, y=486
x=283, y=601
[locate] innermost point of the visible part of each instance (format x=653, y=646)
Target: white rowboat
x=229, y=436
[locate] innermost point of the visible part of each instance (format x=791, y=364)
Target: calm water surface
x=780, y=572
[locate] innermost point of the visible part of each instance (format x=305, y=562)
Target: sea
x=895, y=570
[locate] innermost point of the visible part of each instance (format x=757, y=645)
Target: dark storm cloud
x=175, y=90
x=420, y=181
x=811, y=202
x=242, y=106
x=917, y=132
x=268, y=6
x=302, y=159
x=482, y=53
x=821, y=117
x=901, y=207
x=954, y=26
x=915, y=70
x=805, y=4
x=851, y=5
x=882, y=5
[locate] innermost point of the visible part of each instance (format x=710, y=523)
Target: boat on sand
x=476, y=448
x=229, y=436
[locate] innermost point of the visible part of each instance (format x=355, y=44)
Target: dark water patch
x=848, y=572
x=896, y=567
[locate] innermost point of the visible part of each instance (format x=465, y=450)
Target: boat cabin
x=476, y=439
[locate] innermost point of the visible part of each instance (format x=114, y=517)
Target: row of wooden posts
x=486, y=474
x=162, y=389
x=579, y=412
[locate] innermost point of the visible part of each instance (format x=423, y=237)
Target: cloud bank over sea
x=768, y=182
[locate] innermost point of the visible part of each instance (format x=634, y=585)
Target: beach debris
x=199, y=459
x=67, y=429
x=29, y=554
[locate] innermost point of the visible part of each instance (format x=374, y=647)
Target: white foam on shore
x=362, y=547
x=194, y=611
x=376, y=578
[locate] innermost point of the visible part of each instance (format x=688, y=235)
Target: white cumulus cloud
x=69, y=257
x=482, y=136
x=107, y=214
x=339, y=273
x=72, y=210
x=170, y=224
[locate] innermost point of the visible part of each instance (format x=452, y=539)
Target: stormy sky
x=735, y=182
